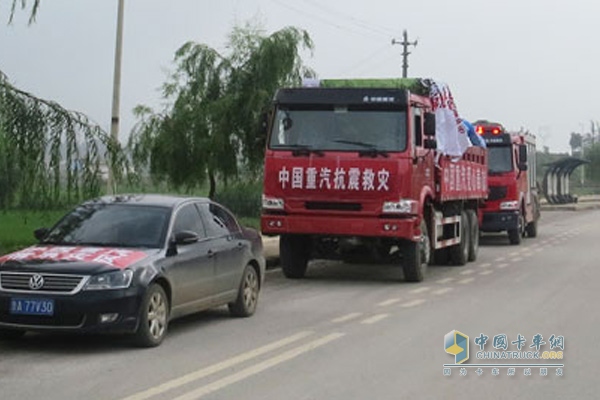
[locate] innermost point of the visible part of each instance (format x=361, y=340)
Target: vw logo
x=36, y=282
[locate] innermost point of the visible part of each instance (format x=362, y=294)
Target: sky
x=531, y=64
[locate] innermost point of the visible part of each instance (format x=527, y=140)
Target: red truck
x=352, y=168
x=513, y=203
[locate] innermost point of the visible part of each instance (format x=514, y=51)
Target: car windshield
x=340, y=129
x=500, y=159
x=115, y=225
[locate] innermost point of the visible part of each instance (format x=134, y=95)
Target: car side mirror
x=41, y=233
x=430, y=144
x=185, y=237
x=264, y=123
x=429, y=124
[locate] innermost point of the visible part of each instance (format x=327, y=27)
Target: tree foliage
x=47, y=151
x=211, y=123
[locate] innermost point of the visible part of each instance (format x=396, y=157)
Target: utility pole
x=114, y=122
x=405, y=43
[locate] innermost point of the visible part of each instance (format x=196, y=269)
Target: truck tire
x=531, y=229
x=515, y=235
x=293, y=252
x=416, y=255
x=459, y=253
x=473, y=235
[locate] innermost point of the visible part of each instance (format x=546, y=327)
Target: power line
x=366, y=60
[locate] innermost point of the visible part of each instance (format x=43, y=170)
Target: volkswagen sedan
x=130, y=264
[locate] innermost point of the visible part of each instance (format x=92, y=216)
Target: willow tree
x=48, y=154
x=210, y=127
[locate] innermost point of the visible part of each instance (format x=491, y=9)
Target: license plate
x=32, y=306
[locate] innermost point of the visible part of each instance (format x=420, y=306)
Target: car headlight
x=404, y=206
x=110, y=280
x=509, y=205
x=272, y=203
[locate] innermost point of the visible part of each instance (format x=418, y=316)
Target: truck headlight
x=272, y=203
x=509, y=205
x=403, y=206
x=110, y=280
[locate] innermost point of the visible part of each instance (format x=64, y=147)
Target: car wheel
x=154, y=317
x=247, y=298
x=10, y=334
x=473, y=235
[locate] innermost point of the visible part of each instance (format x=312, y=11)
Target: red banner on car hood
x=119, y=258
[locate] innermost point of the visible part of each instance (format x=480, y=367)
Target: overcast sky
x=525, y=63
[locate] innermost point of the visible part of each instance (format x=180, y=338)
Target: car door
x=230, y=247
x=192, y=269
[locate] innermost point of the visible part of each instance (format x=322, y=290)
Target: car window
x=188, y=219
x=218, y=220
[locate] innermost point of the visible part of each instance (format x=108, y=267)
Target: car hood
x=77, y=259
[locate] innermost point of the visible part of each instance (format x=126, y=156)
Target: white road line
x=388, y=302
x=516, y=259
x=212, y=369
x=374, y=319
x=467, y=272
x=502, y=265
x=486, y=272
x=441, y=291
x=258, y=368
x=445, y=280
x=346, y=317
x=420, y=290
x=485, y=265
x=413, y=303
x=514, y=253
x=465, y=281
x=499, y=259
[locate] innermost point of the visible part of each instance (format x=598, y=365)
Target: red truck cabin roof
x=492, y=132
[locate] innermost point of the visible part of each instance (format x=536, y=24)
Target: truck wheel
x=415, y=256
x=293, y=252
x=515, y=235
x=531, y=229
x=459, y=253
x=473, y=235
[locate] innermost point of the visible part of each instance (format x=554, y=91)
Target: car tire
x=473, y=235
x=293, y=252
x=459, y=253
x=247, y=297
x=154, y=317
x=11, y=334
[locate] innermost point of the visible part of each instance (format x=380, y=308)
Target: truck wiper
x=303, y=150
x=371, y=149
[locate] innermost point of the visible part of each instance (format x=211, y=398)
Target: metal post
x=114, y=122
x=405, y=43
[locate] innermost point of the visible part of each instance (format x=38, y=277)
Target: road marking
x=346, y=317
x=465, y=281
x=516, y=259
x=441, y=291
x=204, y=372
x=413, y=303
x=255, y=369
x=486, y=272
x=485, y=265
x=502, y=265
x=374, y=319
x=420, y=290
x=445, y=280
x=514, y=253
x=389, y=302
x=499, y=259
x=467, y=272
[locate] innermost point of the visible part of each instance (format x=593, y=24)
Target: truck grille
x=497, y=192
x=326, y=205
x=52, y=283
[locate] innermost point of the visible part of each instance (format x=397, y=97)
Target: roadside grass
x=17, y=226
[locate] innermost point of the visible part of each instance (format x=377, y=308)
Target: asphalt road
x=354, y=332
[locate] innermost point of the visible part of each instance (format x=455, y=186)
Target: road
x=354, y=332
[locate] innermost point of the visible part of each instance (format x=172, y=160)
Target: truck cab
x=512, y=205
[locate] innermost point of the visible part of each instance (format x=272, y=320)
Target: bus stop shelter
x=556, y=180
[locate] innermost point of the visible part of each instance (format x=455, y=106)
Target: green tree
x=211, y=124
x=47, y=151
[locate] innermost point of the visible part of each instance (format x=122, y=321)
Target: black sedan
x=130, y=264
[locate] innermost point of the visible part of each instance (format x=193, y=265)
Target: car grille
x=324, y=205
x=497, y=192
x=53, y=283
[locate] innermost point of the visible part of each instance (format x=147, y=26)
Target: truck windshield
x=500, y=159
x=339, y=129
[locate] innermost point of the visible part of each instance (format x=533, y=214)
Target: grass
x=17, y=226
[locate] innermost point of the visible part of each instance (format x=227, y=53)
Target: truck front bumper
x=404, y=228
x=500, y=221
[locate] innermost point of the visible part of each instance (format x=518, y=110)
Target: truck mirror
x=429, y=124
x=264, y=123
x=522, y=154
x=430, y=144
